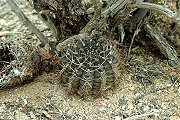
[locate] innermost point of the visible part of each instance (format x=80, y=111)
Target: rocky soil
x=149, y=90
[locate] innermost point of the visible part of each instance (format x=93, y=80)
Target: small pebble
x=140, y=104
x=117, y=118
x=137, y=94
x=90, y=10
x=122, y=101
x=130, y=106
x=21, y=116
x=140, y=101
x=32, y=115
x=131, y=88
x=164, y=106
x=146, y=108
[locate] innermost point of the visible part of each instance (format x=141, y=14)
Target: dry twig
x=28, y=23
x=163, y=45
x=142, y=116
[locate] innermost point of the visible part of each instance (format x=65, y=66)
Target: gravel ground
x=149, y=88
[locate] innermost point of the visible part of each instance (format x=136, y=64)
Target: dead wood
x=69, y=18
x=19, y=62
x=64, y=19
x=79, y=19
x=163, y=45
x=164, y=10
x=28, y=23
x=142, y=116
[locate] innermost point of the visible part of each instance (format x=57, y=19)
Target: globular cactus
x=19, y=62
x=90, y=66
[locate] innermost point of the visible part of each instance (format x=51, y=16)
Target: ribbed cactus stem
x=88, y=66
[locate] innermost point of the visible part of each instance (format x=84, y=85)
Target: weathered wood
x=140, y=14
x=142, y=116
x=116, y=7
x=69, y=18
x=28, y=23
x=156, y=7
x=64, y=17
x=163, y=45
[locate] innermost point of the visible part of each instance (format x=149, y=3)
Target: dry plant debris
x=150, y=86
x=19, y=62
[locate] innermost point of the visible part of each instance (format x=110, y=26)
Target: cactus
x=89, y=66
x=19, y=62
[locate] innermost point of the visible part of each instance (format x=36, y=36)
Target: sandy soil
x=150, y=86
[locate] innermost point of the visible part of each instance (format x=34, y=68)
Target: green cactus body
x=88, y=67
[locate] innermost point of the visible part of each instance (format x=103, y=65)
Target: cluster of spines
x=88, y=67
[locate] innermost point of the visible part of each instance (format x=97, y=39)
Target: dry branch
x=156, y=7
x=70, y=22
x=27, y=22
x=142, y=116
x=163, y=45
x=115, y=7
